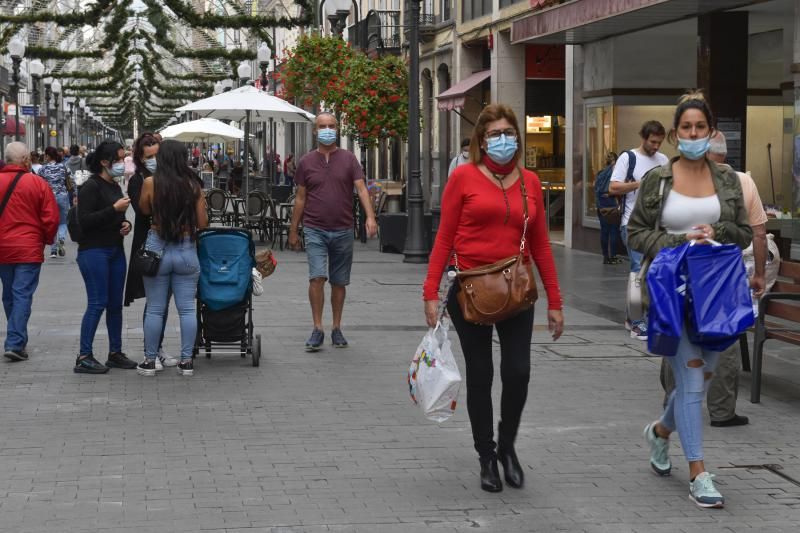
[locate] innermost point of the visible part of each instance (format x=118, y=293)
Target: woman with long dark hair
x=101, y=257
x=689, y=199
x=483, y=219
x=174, y=199
x=144, y=159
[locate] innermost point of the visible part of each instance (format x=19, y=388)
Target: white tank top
x=681, y=213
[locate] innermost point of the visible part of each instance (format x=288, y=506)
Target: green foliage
x=370, y=95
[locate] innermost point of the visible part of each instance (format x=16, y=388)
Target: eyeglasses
x=494, y=135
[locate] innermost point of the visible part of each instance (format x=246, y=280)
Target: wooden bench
x=783, y=303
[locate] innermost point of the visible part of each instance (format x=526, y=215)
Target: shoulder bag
x=10, y=190
x=492, y=293
x=146, y=261
x=635, y=279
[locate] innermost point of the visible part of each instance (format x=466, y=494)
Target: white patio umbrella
x=234, y=105
x=207, y=129
x=247, y=103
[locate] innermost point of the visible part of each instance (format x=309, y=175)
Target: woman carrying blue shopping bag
x=689, y=199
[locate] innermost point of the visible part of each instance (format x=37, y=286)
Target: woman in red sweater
x=482, y=222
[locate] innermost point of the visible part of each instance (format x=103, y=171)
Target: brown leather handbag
x=493, y=293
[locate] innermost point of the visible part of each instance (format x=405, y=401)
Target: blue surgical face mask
x=326, y=136
x=694, y=149
x=150, y=164
x=116, y=170
x=501, y=149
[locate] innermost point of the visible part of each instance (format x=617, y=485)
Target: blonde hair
x=492, y=113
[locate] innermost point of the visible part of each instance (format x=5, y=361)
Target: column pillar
x=796, y=107
x=508, y=76
x=722, y=73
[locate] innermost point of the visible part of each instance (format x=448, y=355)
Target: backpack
x=611, y=208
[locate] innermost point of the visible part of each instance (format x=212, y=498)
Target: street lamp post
x=338, y=11
x=16, y=48
x=48, y=83
x=70, y=101
x=244, y=71
x=57, y=96
x=81, y=115
x=37, y=70
x=263, y=63
x=415, y=250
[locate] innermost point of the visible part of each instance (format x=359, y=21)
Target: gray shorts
x=330, y=254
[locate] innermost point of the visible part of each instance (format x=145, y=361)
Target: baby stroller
x=224, y=293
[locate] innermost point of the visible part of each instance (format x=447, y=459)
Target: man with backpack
x=631, y=167
x=29, y=219
x=609, y=212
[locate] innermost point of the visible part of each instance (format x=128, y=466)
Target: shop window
x=506, y=3
x=600, y=140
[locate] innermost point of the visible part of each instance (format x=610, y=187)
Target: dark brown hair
x=652, y=127
x=491, y=113
x=146, y=139
x=694, y=99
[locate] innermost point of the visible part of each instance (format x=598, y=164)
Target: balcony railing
x=379, y=31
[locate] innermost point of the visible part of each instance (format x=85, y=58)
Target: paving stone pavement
x=329, y=442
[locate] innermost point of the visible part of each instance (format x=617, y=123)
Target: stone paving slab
x=329, y=442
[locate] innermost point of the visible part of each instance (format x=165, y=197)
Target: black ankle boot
x=514, y=475
x=490, y=475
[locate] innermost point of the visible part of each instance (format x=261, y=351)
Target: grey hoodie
x=75, y=162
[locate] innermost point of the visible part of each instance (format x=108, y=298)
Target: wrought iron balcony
x=379, y=32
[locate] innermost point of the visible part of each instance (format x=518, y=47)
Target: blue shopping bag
x=666, y=285
x=719, y=304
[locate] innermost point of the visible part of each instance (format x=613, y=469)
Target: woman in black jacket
x=101, y=256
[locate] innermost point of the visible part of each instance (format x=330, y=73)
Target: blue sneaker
x=315, y=341
x=659, y=451
x=704, y=494
x=338, y=339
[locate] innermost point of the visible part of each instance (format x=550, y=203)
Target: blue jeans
x=19, y=283
x=178, y=272
x=609, y=236
x=62, y=200
x=684, y=410
x=330, y=254
x=103, y=271
x=633, y=255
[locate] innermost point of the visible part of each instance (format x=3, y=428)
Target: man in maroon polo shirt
x=325, y=180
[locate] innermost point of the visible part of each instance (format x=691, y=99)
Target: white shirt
x=644, y=163
x=681, y=213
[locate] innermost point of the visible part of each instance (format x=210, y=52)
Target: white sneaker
x=166, y=359
x=159, y=366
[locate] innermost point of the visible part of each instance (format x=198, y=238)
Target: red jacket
x=30, y=219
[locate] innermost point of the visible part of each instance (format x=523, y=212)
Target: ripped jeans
x=684, y=410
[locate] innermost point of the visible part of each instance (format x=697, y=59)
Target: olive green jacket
x=733, y=225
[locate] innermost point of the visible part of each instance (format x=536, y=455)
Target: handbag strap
x=524, y=193
x=9, y=191
x=646, y=263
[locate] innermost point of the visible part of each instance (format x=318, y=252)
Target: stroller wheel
x=256, y=350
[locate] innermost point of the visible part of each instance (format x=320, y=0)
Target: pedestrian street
x=330, y=441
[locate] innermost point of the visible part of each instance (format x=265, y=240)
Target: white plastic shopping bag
x=258, y=287
x=433, y=378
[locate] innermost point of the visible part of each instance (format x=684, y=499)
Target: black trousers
x=515, y=370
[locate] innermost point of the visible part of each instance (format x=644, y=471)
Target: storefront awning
x=455, y=97
x=584, y=21
x=10, y=128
